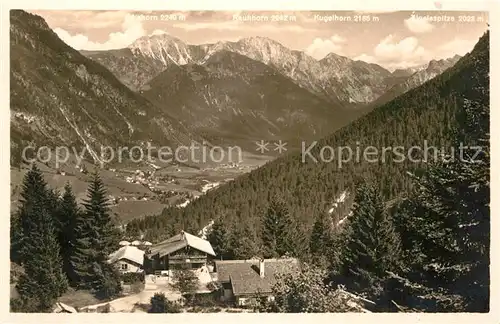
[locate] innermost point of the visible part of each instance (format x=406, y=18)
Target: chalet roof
x=127, y=252
x=180, y=241
x=63, y=308
x=244, y=274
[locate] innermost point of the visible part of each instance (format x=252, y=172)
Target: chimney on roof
x=261, y=268
x=182, y=235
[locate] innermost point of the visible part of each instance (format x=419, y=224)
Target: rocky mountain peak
x=155, y=40
x=259, y=41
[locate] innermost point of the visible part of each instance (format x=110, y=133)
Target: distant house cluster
x=240, y=282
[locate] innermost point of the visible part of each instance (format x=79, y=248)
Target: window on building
x=124, y=266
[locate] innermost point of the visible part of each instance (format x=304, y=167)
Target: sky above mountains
x=393, y=40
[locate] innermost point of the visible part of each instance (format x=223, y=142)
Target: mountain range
x=337, y=79
x=163, y=91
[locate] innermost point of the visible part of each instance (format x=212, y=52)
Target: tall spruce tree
x=372, y=246
x=68, y=215
x=94, y=239
x=33, y=195
x=96, y=206
x=81, y=259
x=320, y=241
x=219, y=239
x=278, y=234
x=43, y=280
x=243, y=242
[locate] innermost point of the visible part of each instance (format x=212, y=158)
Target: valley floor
x=137, y=190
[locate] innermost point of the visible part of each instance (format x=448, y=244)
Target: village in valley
x=139, y=189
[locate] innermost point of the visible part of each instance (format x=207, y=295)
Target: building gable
x=245, y=277
x=180, y=242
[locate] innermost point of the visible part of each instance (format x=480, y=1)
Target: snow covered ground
x=184, y=204
x=340, y=199
x=206, y=230
x=209, y=185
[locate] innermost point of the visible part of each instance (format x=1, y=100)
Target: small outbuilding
x=128, y=259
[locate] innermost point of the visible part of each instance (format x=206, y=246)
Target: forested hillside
x=433, y=112
x=60, y=97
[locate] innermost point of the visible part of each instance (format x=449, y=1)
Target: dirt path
x=127, y=304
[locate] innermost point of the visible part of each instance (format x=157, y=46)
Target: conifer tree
x=243, y=242
x=16, y=236
x=33, y=195
x=68, y=215
x=96, y=206
x=94, y=239
x=186, y=282
x=85, y=252
x=272, y=227
x=278, y=230
x=372, y=246
x=43, y=280
x=320, y=241
x=219, y=239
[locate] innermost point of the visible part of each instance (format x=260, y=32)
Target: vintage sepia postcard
x=248, y=162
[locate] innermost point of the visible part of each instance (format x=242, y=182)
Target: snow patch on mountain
x=184, y=204
x=211, y=185
x=28, y=118
x=345, y=218
x=205, y=231
x=340, y=199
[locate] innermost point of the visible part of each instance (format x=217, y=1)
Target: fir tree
x=320, y=241
x=278, y=230
x=108, y=280
x=34, y=195
x=68, y=215
x=84, y=253
x=94, y=239
x=96, y=207
x=243, y=242
x=372, y=246
x=43, y=280
x=219, y=239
